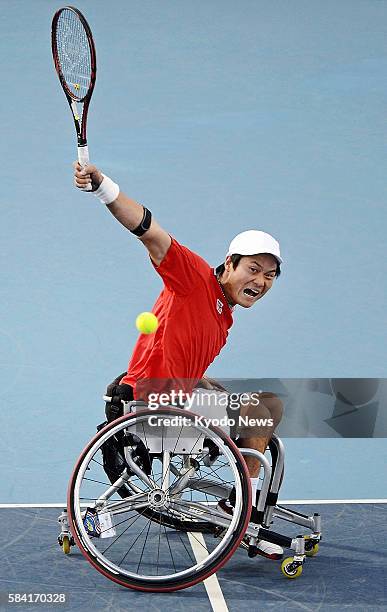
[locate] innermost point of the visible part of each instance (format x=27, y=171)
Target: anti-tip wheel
x=291, y=568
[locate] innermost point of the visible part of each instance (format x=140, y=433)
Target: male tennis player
x=195, y=312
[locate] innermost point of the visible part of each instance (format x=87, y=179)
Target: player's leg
x=261, y=416
x=257, y=421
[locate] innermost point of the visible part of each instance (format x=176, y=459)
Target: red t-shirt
x=194, y=319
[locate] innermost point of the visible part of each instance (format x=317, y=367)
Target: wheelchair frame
x=267, y=507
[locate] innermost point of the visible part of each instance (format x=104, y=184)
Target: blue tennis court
x=220, y=117
x=350, y=570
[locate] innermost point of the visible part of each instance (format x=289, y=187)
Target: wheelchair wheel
x=149, y=540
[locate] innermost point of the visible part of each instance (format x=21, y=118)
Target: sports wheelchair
x=156, y=526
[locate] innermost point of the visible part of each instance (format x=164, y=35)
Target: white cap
x=254, y=242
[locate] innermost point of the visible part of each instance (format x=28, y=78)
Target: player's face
x=251, y=279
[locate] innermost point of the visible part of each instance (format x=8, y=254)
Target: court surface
x=219, y=116
x=349, y=572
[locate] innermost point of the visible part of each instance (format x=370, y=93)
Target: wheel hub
x=157, y=498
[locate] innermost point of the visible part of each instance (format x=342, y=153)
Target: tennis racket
x=75, y=62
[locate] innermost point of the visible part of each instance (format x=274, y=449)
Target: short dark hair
x=235, y=259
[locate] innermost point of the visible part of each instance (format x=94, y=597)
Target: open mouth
x=251, y=292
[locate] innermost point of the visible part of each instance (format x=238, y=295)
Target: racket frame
x=80, y=123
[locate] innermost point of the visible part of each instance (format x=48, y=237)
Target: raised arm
x=128, y=212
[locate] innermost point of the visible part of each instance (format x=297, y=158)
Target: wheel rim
x=174, y=558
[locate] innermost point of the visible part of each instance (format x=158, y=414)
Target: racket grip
x=83, y=158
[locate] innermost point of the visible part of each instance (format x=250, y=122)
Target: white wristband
x=108, y=191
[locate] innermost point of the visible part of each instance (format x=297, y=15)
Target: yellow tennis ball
x=147, y=323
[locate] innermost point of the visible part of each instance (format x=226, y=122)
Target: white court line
x=214, y=592
x=33, y=505
x=281, y=502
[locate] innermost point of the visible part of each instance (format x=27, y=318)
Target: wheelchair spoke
x=166, y=470
x=158, y=547
x=199, y=542
x=143, y=548
x=188, y=552
x=170, y=550
x=113, y=470
x=88, y=499
x=98, y=481
x=118, y=525
x=163, y=489
x=129, y=549
x=207, y=500
x=137, y=501
x=138, y=516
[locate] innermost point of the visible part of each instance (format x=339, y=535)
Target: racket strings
x=74, y=54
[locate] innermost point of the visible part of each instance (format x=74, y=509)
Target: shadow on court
x=350, y=571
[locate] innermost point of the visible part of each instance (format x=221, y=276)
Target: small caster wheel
x=291, y=568
x=66, y=545
x=311, y=546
